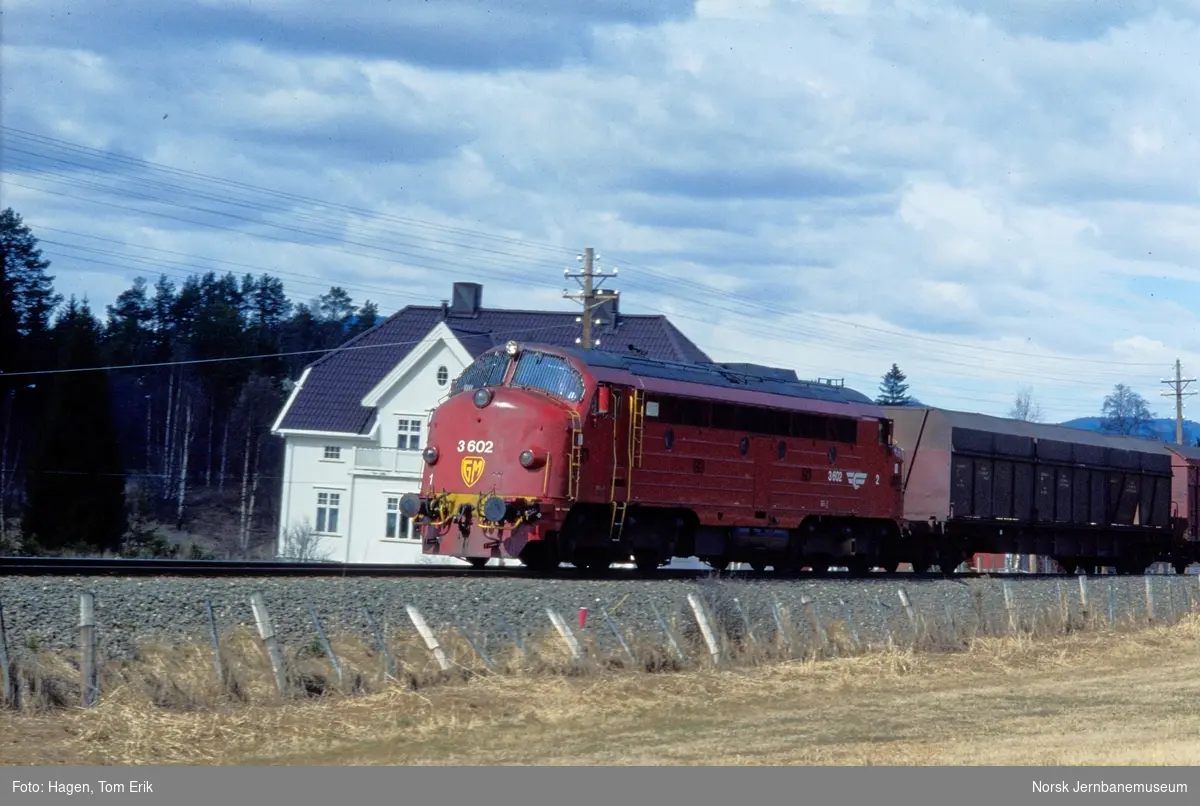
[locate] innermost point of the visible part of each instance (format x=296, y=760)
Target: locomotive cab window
x=550, y=374
x=488, y=370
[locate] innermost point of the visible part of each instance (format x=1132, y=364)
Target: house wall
x=368, y=471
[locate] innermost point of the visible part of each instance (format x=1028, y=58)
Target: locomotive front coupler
x=463, y=519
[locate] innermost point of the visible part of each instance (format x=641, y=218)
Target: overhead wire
x=685, y=285
x=759, y=304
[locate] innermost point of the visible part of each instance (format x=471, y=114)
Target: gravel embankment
x=44, y=611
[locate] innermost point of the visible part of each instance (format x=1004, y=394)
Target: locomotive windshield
x=550, y=374
x=488, y=370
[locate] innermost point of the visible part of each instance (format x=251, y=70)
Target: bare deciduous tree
x=301, y=543
x=1025, y=407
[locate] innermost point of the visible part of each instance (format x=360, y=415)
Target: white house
x=354, y=424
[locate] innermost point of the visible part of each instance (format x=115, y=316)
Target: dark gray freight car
x=979, y=484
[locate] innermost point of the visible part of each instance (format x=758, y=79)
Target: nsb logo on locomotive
x=472, y=470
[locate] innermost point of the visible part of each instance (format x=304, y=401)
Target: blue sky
x=993, y=195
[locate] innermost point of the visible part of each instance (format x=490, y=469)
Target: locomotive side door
x=764, y=460
x=599, y=443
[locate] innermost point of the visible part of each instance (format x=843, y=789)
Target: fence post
x=745, y=621
x=1150, y=603
x=328, y=647
x=515, y=635
x=215, y=638
x=806, y=603
x=781, y=632
x=912, y=615
x=266, y=631
x=565, y=632
x=662, y=622
x=389, y=665
x=850, y=624
x=1010, y=605
x=952, y=623
x=612, y=625
x=427, y=635
x=714, y=649
x=476, y=648
x=887, y=627
x=1083, y=597
x=8, y=694
x=87, y=646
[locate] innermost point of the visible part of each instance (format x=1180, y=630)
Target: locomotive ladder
x=575, y=457
x=637, y=423
x=637, y=427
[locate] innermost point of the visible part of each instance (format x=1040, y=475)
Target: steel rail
x=116, y=566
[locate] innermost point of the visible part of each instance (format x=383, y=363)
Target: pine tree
x=76, y=479
x=894, y=391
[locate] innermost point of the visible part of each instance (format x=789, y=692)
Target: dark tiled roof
x=331, y=398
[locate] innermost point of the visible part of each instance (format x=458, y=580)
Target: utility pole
x=1177, y=387
x=588, y=298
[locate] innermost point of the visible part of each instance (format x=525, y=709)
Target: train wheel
x=857, y=567
x=479, y=562
x=717, y=564
x=646, y=563
x=758, y=566
x=540, y=556
x=1181, y=567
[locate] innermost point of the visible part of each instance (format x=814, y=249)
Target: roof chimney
x=607, y=309
x=466, y=299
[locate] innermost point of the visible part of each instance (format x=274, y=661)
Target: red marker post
x=583, y=617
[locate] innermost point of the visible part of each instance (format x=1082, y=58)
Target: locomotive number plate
x=475, y=445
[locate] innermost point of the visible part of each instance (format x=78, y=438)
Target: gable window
x=333, y=453
x=329, y=507
x=408, y=434
x=397, y=525
x=443, y=375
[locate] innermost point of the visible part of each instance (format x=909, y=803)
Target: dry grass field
x=1085, y=698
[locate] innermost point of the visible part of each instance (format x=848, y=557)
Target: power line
x=680, y=289
x=258, y=357
x=895, y=334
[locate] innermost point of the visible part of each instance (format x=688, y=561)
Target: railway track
x=104, y=566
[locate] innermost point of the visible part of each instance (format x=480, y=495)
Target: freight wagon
x=979, y=484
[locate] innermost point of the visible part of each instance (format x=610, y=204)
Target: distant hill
x=1162, y=429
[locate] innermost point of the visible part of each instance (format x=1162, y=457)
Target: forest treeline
x=96, y=460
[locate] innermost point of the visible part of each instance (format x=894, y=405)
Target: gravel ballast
x=43, y=611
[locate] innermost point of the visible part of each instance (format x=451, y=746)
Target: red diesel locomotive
x=550, y=455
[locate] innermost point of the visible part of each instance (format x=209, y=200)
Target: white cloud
x=990, y=194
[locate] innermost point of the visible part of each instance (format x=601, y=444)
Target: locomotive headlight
x=482, y=397
x=531, y=459
x=512, y=348
x=430, y=455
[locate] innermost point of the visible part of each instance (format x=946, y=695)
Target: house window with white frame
x=329, y=507
x=398, y=525
x=408, y=434
x=333, y=453
x=443, y=376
